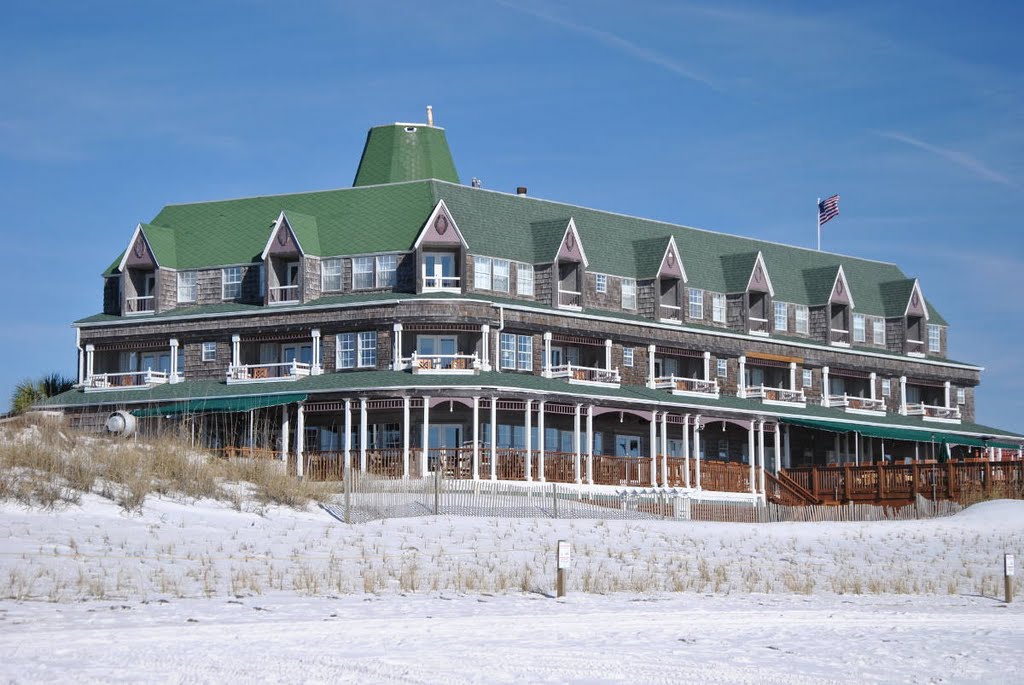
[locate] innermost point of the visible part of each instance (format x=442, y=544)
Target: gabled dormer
x=440, y=252
x=670, y=284
x=839, y=310
x=292, y=237
x=569, y=268
x=138, y=268
x=916, y=316
x=758, y=298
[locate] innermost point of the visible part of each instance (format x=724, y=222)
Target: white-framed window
x=696, y=296
x=802, y=318
x=886, y=387
x=934, y=338
x=345, y=351
x=961, y=396
x=387, y=268
x=627, y=356
x=718, y=307
x=490, y=274
x=499, y=281
x=330, y=275
x=231, y=282
x=601, y=283
x=781, y=316
x=355, y=350
x=878, y=330
x=508, y=351
x=524, y=279
x=482, y=273
x=362, y=273
x=367, y=348
x=860, y=326
x=209, y=351
x=722, y=368
x=808, y=378
x=187, y=286
x=628, y=293
x=524, y=352
x=516, y=352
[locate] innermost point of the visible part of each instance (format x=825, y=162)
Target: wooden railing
x=689, y=386
x=853, y=403
x=722, y=476
x=586, y=374
x=559, y=467
x=781, y=490
x=769, y=394
x=625, y=471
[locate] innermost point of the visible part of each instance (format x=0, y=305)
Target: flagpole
x=817, y=208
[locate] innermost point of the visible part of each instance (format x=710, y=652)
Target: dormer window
x=570, y=263
x=143, y=283
x=628, y=293
x=187, y=290
x=231, y=283
x=934, y=339
x=439, y=271
x=138, y=283
x=331, y=274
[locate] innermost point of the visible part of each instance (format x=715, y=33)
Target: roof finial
x=430, y=116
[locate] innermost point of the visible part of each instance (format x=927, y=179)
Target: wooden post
x=1008, y=572
x=847, y=483
x=814, y=482
x=950, y=483
x=881, y=480
x=562, y=553
x=988, y=478
x=915, y=475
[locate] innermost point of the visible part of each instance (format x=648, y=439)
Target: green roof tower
x=406, y=152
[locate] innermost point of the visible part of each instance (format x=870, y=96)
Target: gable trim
x=764, y=270
x=672, y=249
x=437, y=211
x=841, y=276
x=916, y=290
x=570, y=229
x=137, y=232
x=282, y=220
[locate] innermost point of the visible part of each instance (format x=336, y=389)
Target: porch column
x=686, y=450
x=778, y=447
x=236, y=350
x=90, y=359
x=741, y=378
x=494, y=438
x=476, y=438
x=696, y=448
x=348, y=432
x=751, y=448
x=540, y=441
x=608, y=354
x=314, y=368
x=528, y=439
x=856, y=449
x=590, y=444
x=903, y=395
x=792, y=375
x=839, y=459
x=547, y=354
x=653, y=448
x=300, y=438
x=946, y=389
x=824, y=386
x=174, y=361
x=485, y=349
x=285, y=428
x=917, y=451
x=651, y=350
x=406, y=416
x=760, y=455
x=707, y=366
x=80, y=355
x=425, y=441
x=788, y=450
x=396, y=348
x=364, y=433
x=873, y=378
x=664, y=449
x=577, y=475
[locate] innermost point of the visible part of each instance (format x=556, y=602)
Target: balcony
x=570, y=299
x=126, y=380
x=857, y=405
x=283, y=294
x=443, y=364
x=839, y=337
x=931, y=412
x=134, y=306
x=255, y=373
x=780, y=396
x=915, y=348
x=587, y=375
x=437, y=282
x=671, y=314
x=688, y=387
x=757, y=326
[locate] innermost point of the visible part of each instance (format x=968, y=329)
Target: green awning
x=891, y=432
x=223, y=405
x=1004, y=445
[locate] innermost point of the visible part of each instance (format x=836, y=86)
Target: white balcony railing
x=284, y=371
x=586, y=375
x=140, y=305
x=438, y=281
x=688, y=386
x=283, y=293
x=125, y=380
x=448, y=364
x=770, y=395
x=757, y=326
x=570, y=299
x=856, y=404
x=671, y=313
x=840, y=336
x=931, y=412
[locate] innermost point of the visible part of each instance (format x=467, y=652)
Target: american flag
x=828, y=209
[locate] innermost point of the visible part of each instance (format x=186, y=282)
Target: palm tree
x=29, y=392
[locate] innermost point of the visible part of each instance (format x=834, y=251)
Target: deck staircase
x=781, y=489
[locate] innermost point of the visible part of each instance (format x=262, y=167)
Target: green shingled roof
x=405, y=152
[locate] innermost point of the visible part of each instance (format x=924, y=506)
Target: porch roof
x=224, y=405
x=892, y=432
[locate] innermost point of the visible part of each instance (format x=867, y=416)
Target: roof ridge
x=302, y=192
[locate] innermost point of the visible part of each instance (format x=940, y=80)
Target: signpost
x=1008, y=571
x=563, y=559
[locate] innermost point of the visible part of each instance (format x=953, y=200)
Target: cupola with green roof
x=406, y=152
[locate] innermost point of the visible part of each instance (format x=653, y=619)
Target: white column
x=174, y=361
x=540, y=441
x=760, y=455
x=577, y=474
x=856, y=449
x=547, y=354
x=696, y=449
x=792, y=375
x=406, y=420
x=651, y=350
x=348, y=432
x=608, y=354
x=872, y=379
x=300, y=438
x=236, y=350
x=396, y=348
x=664, y=449
x=778, y=447
x=315, y=366
x=90, y=359
x=494, y=438
x=903, y=395
x=81, y=355
x=476, y=438
x=751, y=449
x=707, y=366
x=364, y=433
x=285, y=429
x=686, y=450
x=824, y=386
x=741, y=378
x=425, y=441
x=590, y=444
x=528, y=439
x=485, y=349
x=653, y=448
x=946, y=387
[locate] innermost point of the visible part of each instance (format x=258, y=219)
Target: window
x=186, y=286
x=808, y=378
x=961, y=396
x=231, y=282
x=500, y=281
x=859, y=328
x=330, y=275
x=627, y=356
x=886, y=387
x=934, y=339
x=878, y=330
x=508, y=351
x=601, y=283
x=387, y=267
x=362, y=273
x=368, y=348
x=696, y=303
x=628, y=293
x=723, y=368
x=482, y=273
x=524, y=279
x=516, y=352
x=525, y=353
x=802, y=325
x=209, y=351
x=345, y=353
x=718, y=307
x=781, y=316
x=355, y=350
x=263, y=280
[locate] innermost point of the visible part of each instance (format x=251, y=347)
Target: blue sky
x=722, y=115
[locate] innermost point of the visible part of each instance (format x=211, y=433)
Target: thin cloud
x=621, y=44
x=962, y=159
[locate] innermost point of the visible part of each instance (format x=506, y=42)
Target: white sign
x=564, y=552
x=1007, y=563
